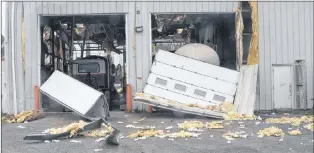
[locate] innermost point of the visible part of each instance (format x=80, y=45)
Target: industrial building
x=278, y=35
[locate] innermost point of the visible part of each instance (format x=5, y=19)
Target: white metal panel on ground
x=70, y=92
x=176, y=83
x=282, y=87
x=246, y=92
x=190, y=64
x=186, y=88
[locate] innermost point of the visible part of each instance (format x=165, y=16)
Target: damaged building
x=43, y=36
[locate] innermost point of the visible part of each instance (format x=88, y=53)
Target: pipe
x=13, y=57
x=168, y=41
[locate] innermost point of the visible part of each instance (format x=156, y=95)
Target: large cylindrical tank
x=199, y=52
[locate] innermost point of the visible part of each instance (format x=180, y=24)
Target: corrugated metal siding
x=285, y=35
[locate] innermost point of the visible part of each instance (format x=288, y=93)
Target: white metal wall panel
x=285, y=35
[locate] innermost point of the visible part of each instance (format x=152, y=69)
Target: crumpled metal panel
x=75, y=95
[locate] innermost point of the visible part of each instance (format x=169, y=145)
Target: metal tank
x=199, y=52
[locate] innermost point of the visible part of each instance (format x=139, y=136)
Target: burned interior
x=217, y=31
x=85, y=47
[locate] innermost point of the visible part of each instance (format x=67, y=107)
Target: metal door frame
x=292, y=84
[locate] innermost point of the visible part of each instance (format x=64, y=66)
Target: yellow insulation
x=253, y=51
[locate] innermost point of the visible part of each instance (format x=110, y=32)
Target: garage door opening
x=91, y=49
x=215, y=31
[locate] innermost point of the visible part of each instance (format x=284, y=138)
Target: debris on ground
x=134, y=122
x=120, y=122
x=295, y=132
x=146, y=133
x=100, y=139
x=135, y=127
x=24, y=116
x=46, y=141
x=142, y=119
x=235, y=116
x=191, y=125
x=97, y=150
x=195, y=130
x=21, y=127
x=232, y=135
x=181, y=134
x=214, y=125
x=310, y=126
x=72, y=128
x=55, y=141
x=75, y=141
x=271, y=131
x=169, y=127
x=295, y=121
x=100, y=132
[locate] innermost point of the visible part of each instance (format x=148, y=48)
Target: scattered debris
x=257, y=123
x=214, y=125
x=235, y=116
x=25, y=116
x=120, y=122
x=140, y=138
x=146, y=133
x=100, y=132
x=75, y=141
x=72, y=128
x=280, y=139
x=228, y=141
x=259, y=118
x=142, y=119
x=135, y=127
x=295, y=132
x=191, y=124
x=56, y=141
x=170, y=139
x=232, y=135
x=242, y=126
x=134, y=122
x=21, y=126
x=97, y=150
x=46, y=141
x=182, y=134
x=195, y=130
x=310, y=126
x=162, y=122
x=168, y=131
x=100, y=139
x=271, y=131
x=211, y=136
x=295, y=121
x=169, y=127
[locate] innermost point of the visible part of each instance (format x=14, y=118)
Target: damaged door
x=186, y=81
x=282, y=86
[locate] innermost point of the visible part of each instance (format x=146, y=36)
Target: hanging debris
x=295, y=132
x=25, y=116
x=271, y=131
x=191, y=125
x=214, y=125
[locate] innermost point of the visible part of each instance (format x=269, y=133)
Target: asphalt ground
x=210, y=141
